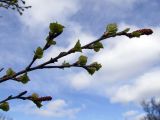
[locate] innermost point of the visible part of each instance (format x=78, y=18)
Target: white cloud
x=54, y=109
x=126, y=63
x=133, y=115
x=124, y=60
x=121, y=2
x=130, y=113
x=144, y=86
x=80, y=81
x=115, y=6
x=45, y=11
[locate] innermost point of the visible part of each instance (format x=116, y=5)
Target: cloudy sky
x=131, y=67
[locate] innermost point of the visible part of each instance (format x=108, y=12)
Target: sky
x=130, y=67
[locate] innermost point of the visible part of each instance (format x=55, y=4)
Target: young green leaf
x=96, y=65
x=136, y=34
x=82, y=60
x=51, y=42
x=39, y=53
x=112, y=28
x=56, y=28
x=4, y=106
x=10, y=72
x=77, y=47
x=38, y=104
x=34, y=97
x=97, y=46
x=91, y=70
x=24, y=78
x=126, y=30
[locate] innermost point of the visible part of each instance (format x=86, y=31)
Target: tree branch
x=14, y=5
x=22, y=97
x=19, y=96
x=63, y=54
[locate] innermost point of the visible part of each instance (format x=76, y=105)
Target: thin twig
x=19, y=96
x=61, y=55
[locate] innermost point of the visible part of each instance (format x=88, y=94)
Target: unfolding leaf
x=10, y=72
x=56, y=28
x=77, y=47
x=24, y=78
x=91, y=70
x=112, y=28
x=136, y=34
x=96, y=65
x=51, y=42
x=82, y=60
x=126, y=30
x=39, y=53
x=34, y=96
x=4, y=106
x=97, y=46
x=38, y=103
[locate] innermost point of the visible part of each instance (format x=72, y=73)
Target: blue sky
x=131, y=67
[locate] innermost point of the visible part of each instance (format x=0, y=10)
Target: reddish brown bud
x=46, y=98
x=144, y=31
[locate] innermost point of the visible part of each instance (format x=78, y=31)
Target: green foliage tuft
x=77, y=47
x=112, y=29
x=97, y=46
x=35, y=96
x=82, y=60
x=91, y=70
x=10, y=72
x=126, y=30
x=24, y=78
x=4, y=106
x=136, y=34
x=96, y=65
x=39, y=53
x=51, y=42
x=56, y=28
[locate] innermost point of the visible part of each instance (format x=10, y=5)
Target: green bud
x=97, y=46
x=77, y=47
x=82, y=60
x=51, y=42
x=136, y=34
x=126, y=30
x=10, y=72
x=56, y=28
x=96, y=65
x=4, y=106
x=112, y=28
x=35, y=96
x=38, y=104
x=39, y=53
x=91, y=70
x=24, y=78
